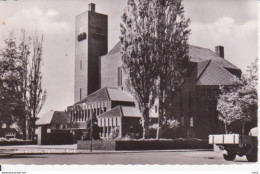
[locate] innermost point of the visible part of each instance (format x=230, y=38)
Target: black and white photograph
x=129, y=82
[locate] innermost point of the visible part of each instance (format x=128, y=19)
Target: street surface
x=143, y=157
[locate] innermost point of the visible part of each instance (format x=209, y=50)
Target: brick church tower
x=91, y=42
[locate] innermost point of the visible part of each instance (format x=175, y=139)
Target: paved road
x=176, y=157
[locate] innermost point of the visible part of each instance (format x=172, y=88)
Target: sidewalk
x=71, y=149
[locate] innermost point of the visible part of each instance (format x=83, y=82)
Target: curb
x=77, y=152
x=5, y=155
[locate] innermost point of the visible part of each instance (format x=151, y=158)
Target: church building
x=100, y=85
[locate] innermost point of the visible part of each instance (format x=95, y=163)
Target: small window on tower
x=119, y=75
x=155, y=108
x=80, y=93
x=81, y=64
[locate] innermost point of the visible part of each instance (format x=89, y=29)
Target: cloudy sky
x=231, y=23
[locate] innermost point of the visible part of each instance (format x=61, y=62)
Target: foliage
x=36, y=96
x=238, y=102
x=139, y=60
x=114, y=133
x=171, y=129
x=22, y=96
x=11, y=82
x=154, y=39
x=172, y=49
x=92, y=130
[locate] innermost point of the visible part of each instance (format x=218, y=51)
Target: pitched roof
x=197, y=54
x=99, y=95
x=115, y=49
x=53, y=117
x=119, y=95
x=124, y=111
x=201, y=66
x=214, y=74
x=107, y=93
x=115, y=112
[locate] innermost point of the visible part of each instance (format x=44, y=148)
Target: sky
x=230, y=23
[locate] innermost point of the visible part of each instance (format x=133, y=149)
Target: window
x=88, y=113
x=119, y=75
x=80, y=64
x=155, y=109
x=80, y=90
x=98, y=111
x=191, y=121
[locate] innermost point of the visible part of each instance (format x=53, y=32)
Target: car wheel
x=229, y=157
x=252, y=157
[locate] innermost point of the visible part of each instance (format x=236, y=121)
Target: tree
x=139, y=60
x=22, y=96
x=92, y=129
x=36, y=96
x=172, y=52
x=239, y=101
x=11, y=82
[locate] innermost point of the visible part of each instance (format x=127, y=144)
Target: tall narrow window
x=119, y=75
x=155, y=109
x=190, y=101
x=80, y=93
x=80, y=64
x=191, y=122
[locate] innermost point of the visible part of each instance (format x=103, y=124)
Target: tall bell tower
x=91, y=42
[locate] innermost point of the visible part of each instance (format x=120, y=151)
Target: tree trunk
x=243, y=128
x=24, y=129
x=145, y=123
x=159, y=128
x=160, y=115
x=29, y=129
x=226, y=131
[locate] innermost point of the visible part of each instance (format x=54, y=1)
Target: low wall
x=13, y=143
x=145, y=144
x=57, y=138
x=96, y=145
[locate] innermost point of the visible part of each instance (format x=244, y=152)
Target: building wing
x=53, y=117
x=45, y=119
x=116, y=94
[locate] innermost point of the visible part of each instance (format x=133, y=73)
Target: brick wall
x=88, y=51
x=81, y=55
x=109, y=71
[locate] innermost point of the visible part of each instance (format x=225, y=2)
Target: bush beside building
x=149, y=144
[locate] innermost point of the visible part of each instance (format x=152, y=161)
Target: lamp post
x=91, y=131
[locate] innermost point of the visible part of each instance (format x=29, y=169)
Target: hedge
x=150, y=144
x=12, y=142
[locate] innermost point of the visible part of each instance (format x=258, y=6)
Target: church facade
x=100, y=85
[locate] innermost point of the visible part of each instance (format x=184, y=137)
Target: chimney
x=219, y=51
x=91, y=7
